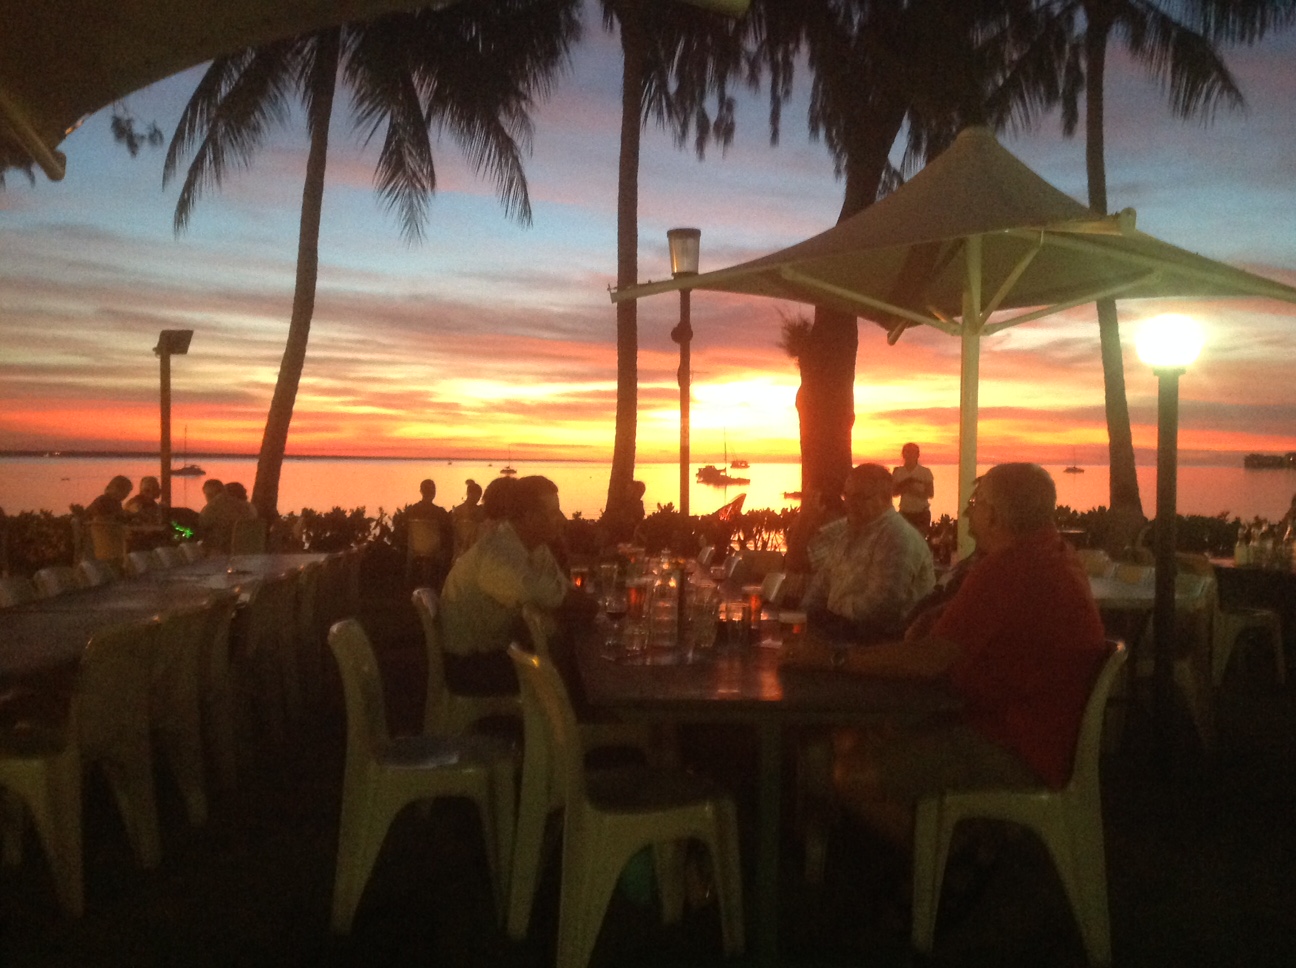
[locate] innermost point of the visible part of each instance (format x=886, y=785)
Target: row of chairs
x=92, y=572
x=608, y=815
x=1206, y=633
x=199, y=685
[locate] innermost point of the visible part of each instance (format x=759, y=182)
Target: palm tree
x=470, y=69
x=674, y=57
x=932, y=66
x=1176, y=41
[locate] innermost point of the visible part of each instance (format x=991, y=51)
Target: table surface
x=52, y=633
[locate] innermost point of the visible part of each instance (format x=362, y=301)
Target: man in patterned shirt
x=878, y=569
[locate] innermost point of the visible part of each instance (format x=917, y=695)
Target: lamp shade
x=684, y=244
x=1169, y=342
x=174, y=341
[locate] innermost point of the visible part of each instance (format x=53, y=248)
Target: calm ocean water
x=53, y=483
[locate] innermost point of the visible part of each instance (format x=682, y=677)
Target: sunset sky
x=490, y=337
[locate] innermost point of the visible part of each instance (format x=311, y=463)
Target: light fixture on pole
x=1168, y=344
x=170, y=342
x=684, y=244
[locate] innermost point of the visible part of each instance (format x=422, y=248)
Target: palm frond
x=245, y=98
x=1184, y=61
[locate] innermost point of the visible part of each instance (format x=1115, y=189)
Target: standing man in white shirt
x=915, y=486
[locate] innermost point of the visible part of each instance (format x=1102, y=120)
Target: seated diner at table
x=509, y=566
x=878, y=569
x=224, y=506
x=1021, y=642
x=108, y=505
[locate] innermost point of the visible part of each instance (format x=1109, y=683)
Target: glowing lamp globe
x=1169, y=342
x=684, y=244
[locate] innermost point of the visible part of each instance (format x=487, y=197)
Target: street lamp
x=1168, y=344
x=170, y=342
x=684, y=262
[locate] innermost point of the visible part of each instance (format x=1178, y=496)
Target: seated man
x=108, y=505
x=223, y=508
x=876, y=572
x=509, y=566
x=1021, y=642
x=466, y=519
x=144, y=508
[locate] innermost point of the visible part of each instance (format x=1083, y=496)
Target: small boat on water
x=1074, y=468
x=508, y=470
x=188, y=470
x=739, y=464
x=710, y=474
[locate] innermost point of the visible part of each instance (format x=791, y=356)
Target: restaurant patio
x=1198, y=860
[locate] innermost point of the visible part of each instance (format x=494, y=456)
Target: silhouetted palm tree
x=1176, y=41
x=472, y=70
x=931, y=66
x=674, y=59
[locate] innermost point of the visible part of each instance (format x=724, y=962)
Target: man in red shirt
x=1021, y=642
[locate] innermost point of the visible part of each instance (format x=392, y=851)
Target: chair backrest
x=1097, y=562
x=91, y=572
x=192, y=551
x=308, y=584
x=248, y=537
x=366, y=713
x=540, y=626
x=168, y=556
x=139, y=562
x=272, y=613
x=1135, y=574
x=552, y=741
x=108, y=540
x=54, y=580
x=427, y=605
x=114, y=683
x=15, y=590
x=772, y=587
x=1084, y=772
x=425, y=537
x=706, y=555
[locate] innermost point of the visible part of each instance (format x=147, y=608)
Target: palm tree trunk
x=826, y=399
x=1126, y=507
x=627, y=407
x=265, y=492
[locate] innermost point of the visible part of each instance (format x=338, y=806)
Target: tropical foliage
x=470, y=70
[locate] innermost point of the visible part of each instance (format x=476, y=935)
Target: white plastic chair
x=1227, y=624
x=446, y=713
x=1192, y=653
x=54, y=580
x=1068, y=821
x=108, y=540
x=216, y=693
x=192, y=551
x=40, y=769
x=114, y=689
x=248, y=537
x=140, y=563
x=175, y=702
x=1097, y=563
x=608, y=817
x=16, y=590
x=383, y=774
x=705, y=557
x=91, y=572
x=168, y=556
x=266, y=665
x=772, y=587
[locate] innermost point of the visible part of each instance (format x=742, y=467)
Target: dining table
x=758, y=686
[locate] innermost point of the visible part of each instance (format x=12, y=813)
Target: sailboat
x=508, y=470
x=1074, y=468
x=737, y=462
x=187, y=470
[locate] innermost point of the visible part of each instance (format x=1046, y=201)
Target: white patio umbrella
x=974, y=233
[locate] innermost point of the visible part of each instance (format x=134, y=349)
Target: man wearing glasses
x=1021, y=642
x=876, y=572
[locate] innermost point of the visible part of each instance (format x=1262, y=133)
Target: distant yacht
x=508, y=469
x=710, y=474
x=187, y=470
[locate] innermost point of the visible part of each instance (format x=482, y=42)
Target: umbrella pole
x=969, y=385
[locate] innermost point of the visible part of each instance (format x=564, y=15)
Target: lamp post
x=170, y=342
x=1168, y=344
x=684, y=245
